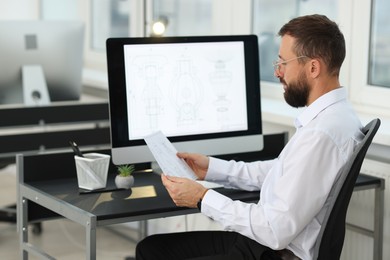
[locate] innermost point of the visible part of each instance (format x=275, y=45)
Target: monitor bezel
x=117, y=86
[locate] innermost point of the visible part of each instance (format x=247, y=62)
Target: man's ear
x=315, y=68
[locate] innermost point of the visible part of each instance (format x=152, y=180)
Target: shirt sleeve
x=292, y=193
x=240, y=175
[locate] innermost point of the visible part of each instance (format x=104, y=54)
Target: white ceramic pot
x=124, y=182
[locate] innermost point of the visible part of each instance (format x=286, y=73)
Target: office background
x=365, y=72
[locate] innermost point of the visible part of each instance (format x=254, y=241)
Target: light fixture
x=159, y=26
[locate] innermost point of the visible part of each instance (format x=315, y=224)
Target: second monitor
x=41, y=61
x=202, y=92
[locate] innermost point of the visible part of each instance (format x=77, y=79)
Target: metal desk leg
x=90, y=246
x=378, y=223
x=25, y=247
x=23, y=228
x=143, y=229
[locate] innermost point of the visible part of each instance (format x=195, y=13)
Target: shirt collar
x=319, y=105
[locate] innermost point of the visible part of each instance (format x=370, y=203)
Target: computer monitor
x=202, y=92
x=41, y=61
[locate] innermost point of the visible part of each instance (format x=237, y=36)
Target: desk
x=365, y=182
x=55, y=193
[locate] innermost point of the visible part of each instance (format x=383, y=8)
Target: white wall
x=19, y=9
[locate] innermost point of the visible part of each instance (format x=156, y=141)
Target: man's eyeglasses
x=278, y=63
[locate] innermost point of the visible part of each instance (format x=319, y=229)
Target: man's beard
x=297, y=93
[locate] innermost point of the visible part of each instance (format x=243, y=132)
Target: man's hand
x=184, y=192
x=199, y=163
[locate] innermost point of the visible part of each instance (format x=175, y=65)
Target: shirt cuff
x=218, y=170
x=213, y=203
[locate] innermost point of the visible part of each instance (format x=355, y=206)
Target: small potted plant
x=124, y=179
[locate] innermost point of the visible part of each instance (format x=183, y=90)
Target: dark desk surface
x=62, y=184
x=148, y=197
x=366, y=180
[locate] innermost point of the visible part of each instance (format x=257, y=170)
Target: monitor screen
x=35, y=52
x=202, y=92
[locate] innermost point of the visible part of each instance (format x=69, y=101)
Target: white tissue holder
x=92, y=170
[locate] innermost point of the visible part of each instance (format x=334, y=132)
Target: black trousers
x=200, y=245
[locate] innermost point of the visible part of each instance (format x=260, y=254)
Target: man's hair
x=317, y=37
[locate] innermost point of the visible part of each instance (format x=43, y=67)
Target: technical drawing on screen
x=202, y=92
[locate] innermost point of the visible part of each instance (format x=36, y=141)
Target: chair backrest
x=330, y=240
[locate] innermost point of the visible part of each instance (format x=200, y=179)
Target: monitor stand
x=35, y=92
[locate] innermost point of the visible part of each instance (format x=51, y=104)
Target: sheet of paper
x=165, y=154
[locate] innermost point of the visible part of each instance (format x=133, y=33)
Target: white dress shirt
x=295, y=186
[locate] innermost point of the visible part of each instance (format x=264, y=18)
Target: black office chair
x=330, y=240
